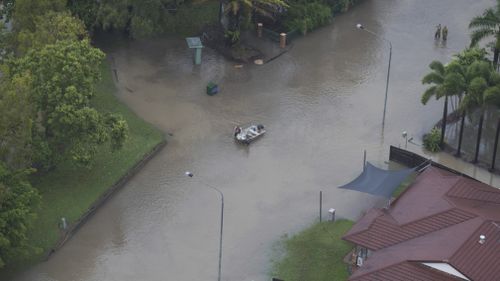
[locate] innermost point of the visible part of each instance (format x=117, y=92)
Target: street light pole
x=189, y=174
x=220, y=11
x=360, y=26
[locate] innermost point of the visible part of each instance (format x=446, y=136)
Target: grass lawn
x=314, y=254
x=404, y=185
x=69, y=191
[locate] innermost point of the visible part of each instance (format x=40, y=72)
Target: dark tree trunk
x=478, y=142
x=443, y=123
x=496, y=51
x=460, y=136
x=495, y=146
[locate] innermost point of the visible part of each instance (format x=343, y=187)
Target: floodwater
x=322, y=105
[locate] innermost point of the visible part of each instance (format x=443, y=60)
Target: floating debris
x=238, y=66
x=259, y=61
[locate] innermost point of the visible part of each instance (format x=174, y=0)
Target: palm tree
x=484, y=82
x=485, y=26
x=438, y=90
x=460, y=79
x=492, y=96
x=455, y=83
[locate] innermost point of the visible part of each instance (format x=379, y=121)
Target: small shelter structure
x=195, y=43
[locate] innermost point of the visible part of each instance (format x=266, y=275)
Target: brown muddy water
x=322, y=105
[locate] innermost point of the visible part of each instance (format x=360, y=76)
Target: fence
x=411, y=159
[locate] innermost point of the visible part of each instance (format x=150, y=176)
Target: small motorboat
x=248, y=134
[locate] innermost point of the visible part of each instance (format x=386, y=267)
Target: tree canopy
x=15, y=121
x=18, y=201
x=63, y=79
x=137, y=17
x=50, y=28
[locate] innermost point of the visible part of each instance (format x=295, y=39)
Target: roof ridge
x=380, y=213
x=452, y=208
x=472, y=190
x=409, y=231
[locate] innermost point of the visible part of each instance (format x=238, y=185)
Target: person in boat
x=237, y=130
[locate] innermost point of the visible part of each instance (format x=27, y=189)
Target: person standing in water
x=445, y=33
x=437, y=35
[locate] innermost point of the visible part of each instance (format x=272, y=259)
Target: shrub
x=340, y=6
x=232, y=36
x=307, y=16
x=432, y=140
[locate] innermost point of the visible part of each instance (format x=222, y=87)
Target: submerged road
x=322, y=105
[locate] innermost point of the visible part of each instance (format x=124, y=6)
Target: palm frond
x=428, y=94
x=454, y=84
x=437, y=66
x=480, y=34
x=488, y=19
x=432, y=78
x=467, y=104
x=494, y=78
x=492, y=96
x=476, y=90
x=479, y=69
x=454, y=67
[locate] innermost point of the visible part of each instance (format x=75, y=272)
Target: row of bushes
x=306, y=15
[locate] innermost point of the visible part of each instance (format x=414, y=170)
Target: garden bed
x=213, y=37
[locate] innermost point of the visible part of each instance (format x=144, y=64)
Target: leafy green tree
x=136, y=17
x=26, y=12
x=50, y=28
x=15, y=120
x=6, y=45
x=18, y=201
x=485, y=26
x=86, y=11
x=485, y=80
x=6, y=10
x=63, y=79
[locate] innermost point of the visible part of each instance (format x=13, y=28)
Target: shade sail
x=377, y=181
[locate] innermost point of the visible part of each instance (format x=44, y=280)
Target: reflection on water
x=322, y=105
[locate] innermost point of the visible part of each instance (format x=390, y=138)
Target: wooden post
x=282, y=40
x=259, y=29
x=364, y=159
x=320, y=204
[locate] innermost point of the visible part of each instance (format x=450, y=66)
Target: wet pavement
x=321, y=103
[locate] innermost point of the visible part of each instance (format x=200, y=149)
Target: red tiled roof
x=474, y=190
x=408, y=271
x=438, y=219
x=384, y=232
x=480, y=261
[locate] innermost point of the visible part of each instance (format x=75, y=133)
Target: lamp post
x=221, y=5
x=190, y=174
x=360, y=26
x=405, y=135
